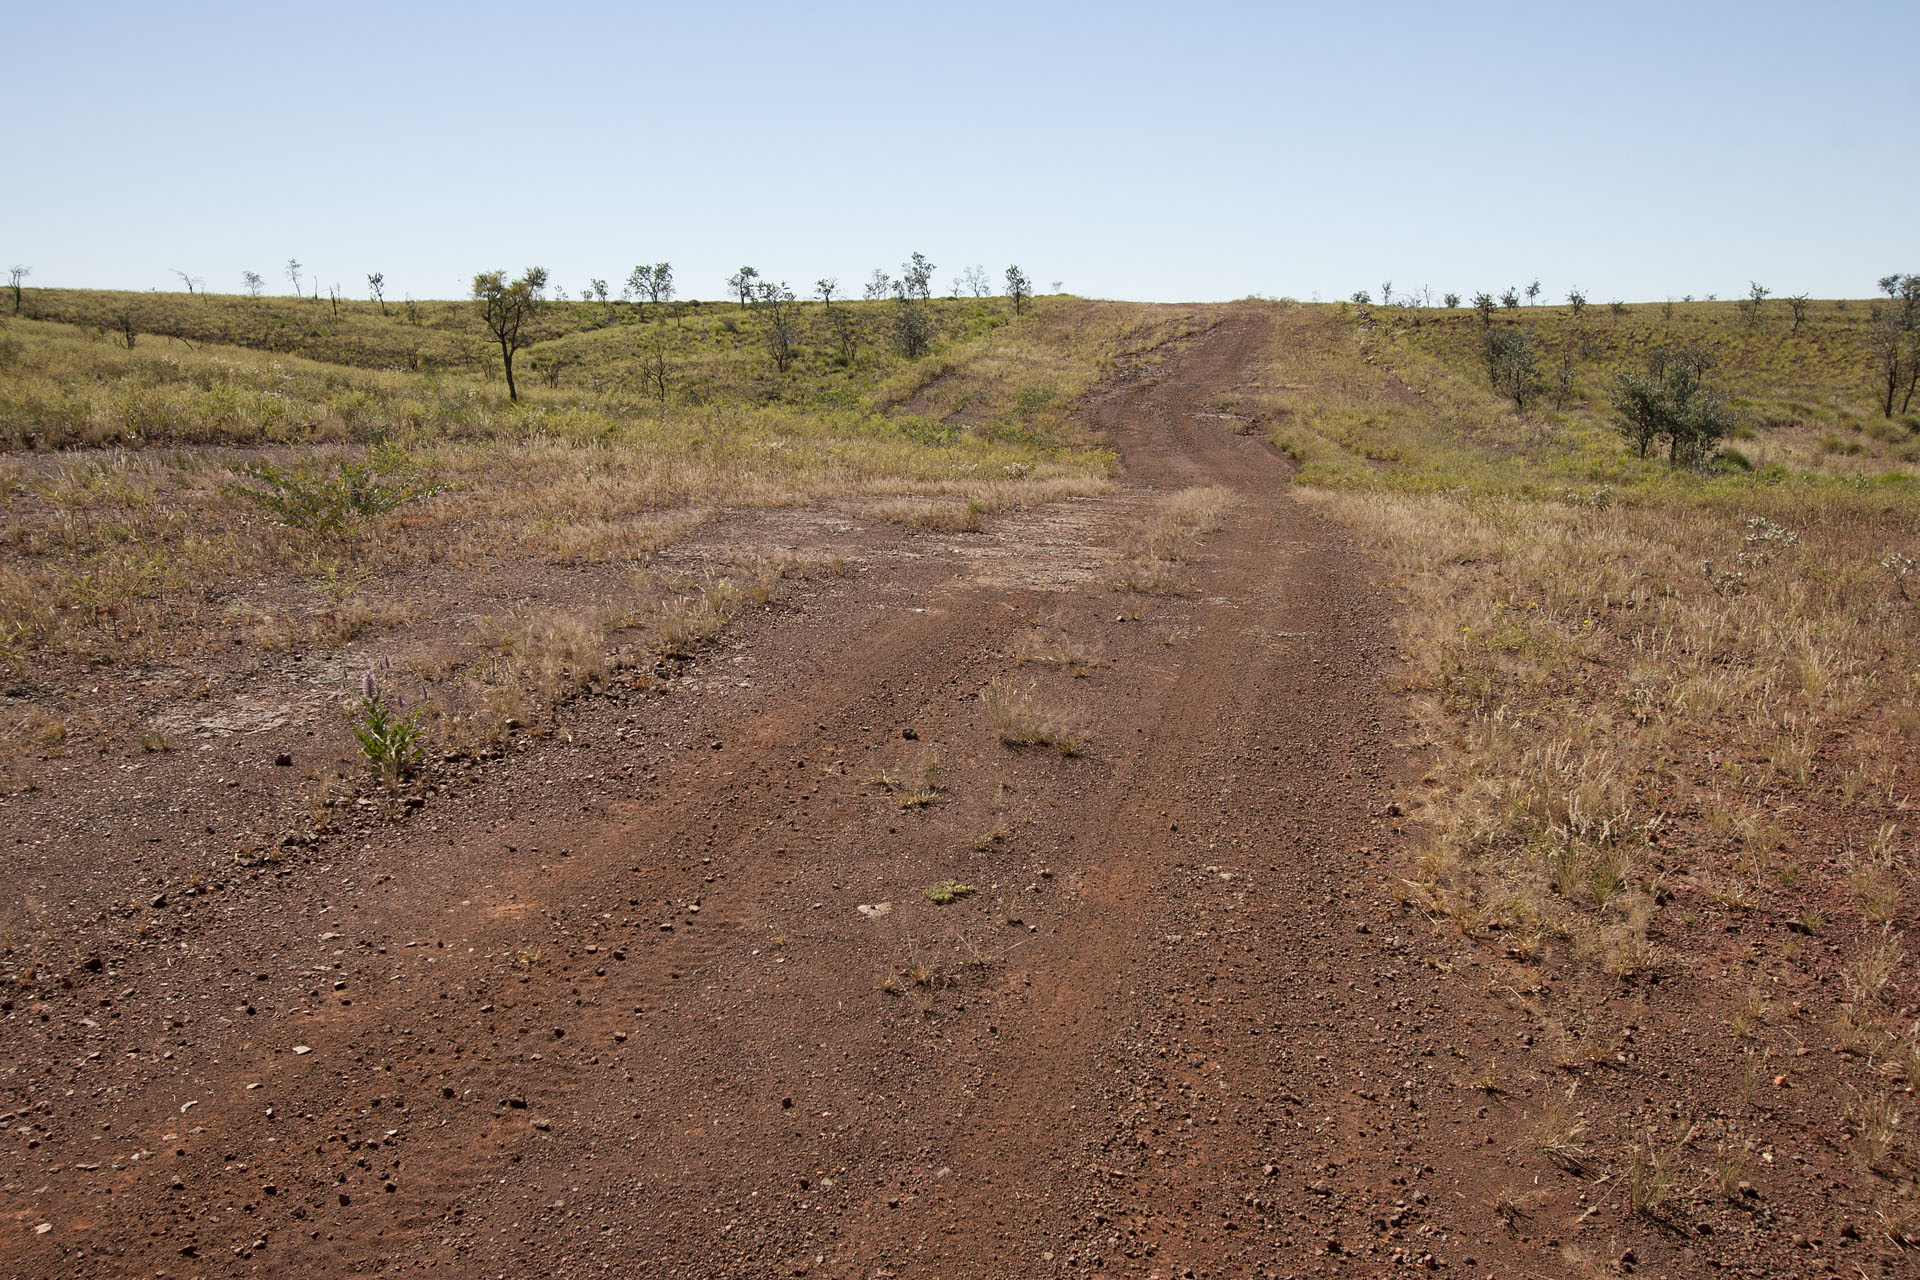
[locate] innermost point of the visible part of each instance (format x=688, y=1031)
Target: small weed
x=1873, y=969
x=1730, y=1164
x=1649, y=1183
x=1560, y=1139
x=393, y=742
x=947, y=891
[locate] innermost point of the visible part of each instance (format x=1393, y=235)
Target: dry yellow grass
x=1643, y=700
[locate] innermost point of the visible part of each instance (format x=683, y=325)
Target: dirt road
x=668, y=995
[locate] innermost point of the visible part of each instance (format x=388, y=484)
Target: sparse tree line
x=509, y=308
x=1668, y=402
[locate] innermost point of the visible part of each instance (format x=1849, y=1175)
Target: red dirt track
x=618, y=1011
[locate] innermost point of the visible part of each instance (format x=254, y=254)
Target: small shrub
x=393, y=742
x=1020, y=721
x=947, y=891
x=327, y=500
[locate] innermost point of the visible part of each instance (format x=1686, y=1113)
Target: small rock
x=303, y=1049
x=283, y=760
x=43, y=1228
x=910, y=735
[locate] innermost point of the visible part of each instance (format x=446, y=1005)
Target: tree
x=293, y=274
x=977, y=281
x=1362, y=298
x=741, y=284
x=912, y=326
x=1510, y=299
x=916, y=276
x=878, y=286
x=1896, y=358
x=825, y=287
x=597, y=287
x=780, y=314
x=1797, y=304
x=1451, y=300
x=377, y=287
x=845, y=327
x=253, y=282
x=1750, y=305
x=1511, y=367
x=1533, y=293
x=187, y=280
x=1578, y=301
x=649, y=283
x=1671, y=402
x=508, y=309
x=1904, y=292
x=1386, y=293
x=1483, y=305
x=654, y=369
x=1019, y=288
x=15, y=274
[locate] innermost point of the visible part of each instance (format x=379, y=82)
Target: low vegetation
x=1665, y=696
x=251, y=480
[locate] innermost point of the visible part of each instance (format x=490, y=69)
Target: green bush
x=327, y=500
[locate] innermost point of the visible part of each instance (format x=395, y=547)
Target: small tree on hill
x=293, y=274
x=15, y=274
x=508, y=310
x=377, y=287
x=977, y=281
x=1670, y=401
x=825, y=287
x=1511, y=367
x=1797, y=305
x=916, y=274
x=878, y=286
x=844, y=327
x=780, y=314
x=1483, y=307
x=1450, y=300
x=1578, y=301
x=1511, y=298
x=253, y=282
x=741, y=284
x=1533, y=293
x=639, y=287
x=912, y=324
x=1019, y=288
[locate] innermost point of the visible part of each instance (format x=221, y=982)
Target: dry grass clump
x=1020, y=719
x=1168, y=538
x=1048, y=644
x=927, y=513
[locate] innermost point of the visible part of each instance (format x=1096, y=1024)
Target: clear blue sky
x=1152, y=151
